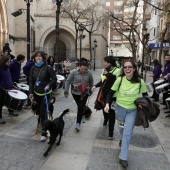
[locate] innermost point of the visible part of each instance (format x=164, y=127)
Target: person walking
x=51, y=61
x=81, y=81
x=128, y=86
x=156, y=74
x=164, y=75
x=27, y=68
x=108, y=77
x=42, y=79
x=139, y=64
x=5, y=82
x=15, y=68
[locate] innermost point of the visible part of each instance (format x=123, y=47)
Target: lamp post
x=28, y=28
x=95, y=45
x=81, y=37
x=111, y=52
x=107, y=46
x=144, y=31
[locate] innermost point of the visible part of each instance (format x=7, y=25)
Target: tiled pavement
x=87, y=150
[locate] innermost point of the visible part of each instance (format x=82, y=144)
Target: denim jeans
x=128, y=117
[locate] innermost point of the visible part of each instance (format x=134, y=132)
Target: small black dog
x=50, y=114
x=87, y=112
x=55, y=128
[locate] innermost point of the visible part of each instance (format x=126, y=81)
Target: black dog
x=55, y=128
x=87, y=112
x=50, y=114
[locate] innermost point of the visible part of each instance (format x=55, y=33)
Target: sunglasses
x=125, y=67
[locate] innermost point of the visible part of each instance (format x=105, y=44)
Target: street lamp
x=111, y=52
x=28, y=28
x=95, y=45
x=81, y=36
x=144, y=31
x=19, y=12
x=107, y=46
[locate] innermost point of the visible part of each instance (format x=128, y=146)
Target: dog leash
x=46, y=102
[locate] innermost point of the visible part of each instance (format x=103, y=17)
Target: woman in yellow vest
x=108, y=76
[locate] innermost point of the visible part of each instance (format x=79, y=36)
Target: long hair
x=136, y=77
x=3, y=60
x=48, y=60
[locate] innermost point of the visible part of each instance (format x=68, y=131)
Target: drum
x=149, y=87
x=168, y=102
x=162, y=88
x=23, y=87
x=158, y=82
x=60, y=77
x=14, y=98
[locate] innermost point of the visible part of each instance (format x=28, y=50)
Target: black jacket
x=46, y=76
x=104, y=90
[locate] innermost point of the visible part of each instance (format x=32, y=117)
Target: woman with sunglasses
x=128, y=86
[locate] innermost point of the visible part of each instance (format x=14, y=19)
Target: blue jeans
x=128, y=117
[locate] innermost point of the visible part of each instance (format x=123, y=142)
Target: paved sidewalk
x=88, y=149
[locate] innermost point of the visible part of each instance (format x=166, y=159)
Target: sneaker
x=83, y=121
x=120, y=143
x=110, y=137
x=43, y=138
x=77, y=126
x=2, y=121
x=123, y=163
x=13, y=114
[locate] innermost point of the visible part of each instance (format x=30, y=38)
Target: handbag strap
x=84, y=79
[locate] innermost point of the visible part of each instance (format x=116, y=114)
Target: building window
x=154, y=31
x=117, y=45
x=107, y=3
x=118, y=3
x=116, y=37
x=117, y=12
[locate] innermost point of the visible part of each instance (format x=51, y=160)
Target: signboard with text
x=157, y=45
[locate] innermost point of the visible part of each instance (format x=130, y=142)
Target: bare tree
x=128, y=26
x=85, y=14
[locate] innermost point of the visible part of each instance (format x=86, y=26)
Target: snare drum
x=23, y=87
x=149, y=87
x=14, y=98
x=158, y=82
x=60, y=78
x=162, y=88
x=168, y=102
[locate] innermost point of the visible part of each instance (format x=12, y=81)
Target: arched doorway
x=62, y=51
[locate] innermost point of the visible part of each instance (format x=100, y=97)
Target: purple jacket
x=15, y=69
x=27, y=67
x=166, y=69
x=5, y=78
x=157, y=72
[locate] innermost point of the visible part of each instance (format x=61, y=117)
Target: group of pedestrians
x=164, y=76
x=118, y=91
x=119, y=88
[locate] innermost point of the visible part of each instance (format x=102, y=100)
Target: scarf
x=39, y=64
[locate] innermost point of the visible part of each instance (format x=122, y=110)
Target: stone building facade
x=42, y=31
